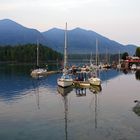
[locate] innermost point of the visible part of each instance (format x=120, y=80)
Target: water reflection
x=36, y=84
x=15, y=81
x=13, y=88
x=136, y=108
x=106, y=75
x=137, y=74
x=13, y=69
x=90, y=118
x=64, y=92
x=125, y=71
x=95, y=90
x=80, y=91
x=94, y=102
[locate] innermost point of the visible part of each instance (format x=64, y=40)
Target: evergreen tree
x=138, y=52
x=124, y=55
x=28, y=53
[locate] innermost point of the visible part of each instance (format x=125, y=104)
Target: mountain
x=84, y=41
x=12, y=33
x=130, y=48
x=80, y=41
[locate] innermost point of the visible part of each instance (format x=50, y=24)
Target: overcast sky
x=118, y=20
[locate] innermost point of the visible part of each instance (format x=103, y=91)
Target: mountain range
x=80, y=41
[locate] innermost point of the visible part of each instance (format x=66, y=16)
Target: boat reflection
x=80, y=91
x=137, y=74
x=95, y=90
x=36, y=84
x=64, y=92
x=136, y=108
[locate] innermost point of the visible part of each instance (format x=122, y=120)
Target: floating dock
x=82, y=84
x=44, y=73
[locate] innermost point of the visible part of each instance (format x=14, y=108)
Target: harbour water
x=36, y=109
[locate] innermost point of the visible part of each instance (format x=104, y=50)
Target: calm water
x=34, y=109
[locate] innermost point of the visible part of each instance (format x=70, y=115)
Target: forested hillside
x=28, y=53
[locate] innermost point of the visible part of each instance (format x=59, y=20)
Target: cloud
x=64, y=4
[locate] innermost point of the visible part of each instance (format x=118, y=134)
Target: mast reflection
x=36, y=84
x=136, y=108
x=95, y=90
x=137, y=74
x=80, y=91
x=64, y=92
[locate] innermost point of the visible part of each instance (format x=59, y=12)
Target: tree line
x=28, y=54
x=137, y=53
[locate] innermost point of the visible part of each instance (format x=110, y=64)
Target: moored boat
x=94, y=81
x=82, y=84
x=38, y=72
x=65, y=80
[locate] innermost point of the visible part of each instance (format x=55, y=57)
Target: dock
x=81, y=84
x=44, y=73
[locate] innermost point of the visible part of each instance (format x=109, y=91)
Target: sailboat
x=92, y=67
x=38, y=72
x=106, y=65
x=65, y=80
x=119, y=63
x=94, y=80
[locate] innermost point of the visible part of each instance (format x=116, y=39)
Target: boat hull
x=65, y=82
x=94, y=81
x=82, y=84
x=38, y=72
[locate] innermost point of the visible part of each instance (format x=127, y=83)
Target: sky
x=117, y=20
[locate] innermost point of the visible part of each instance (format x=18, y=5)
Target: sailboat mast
x=106, y=55
x=91, y=58
x=37, y=54
x=65, y=48
x=96, y=52
x=119, y=57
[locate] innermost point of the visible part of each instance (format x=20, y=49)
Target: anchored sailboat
x=94, y=80
x=65, y=79
x=38, y=71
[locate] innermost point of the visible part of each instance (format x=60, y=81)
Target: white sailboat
x=65, y=80
x=38, y=72
x=119, y=63
x=107, y=65
x=94, y=80
x=92, y=67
